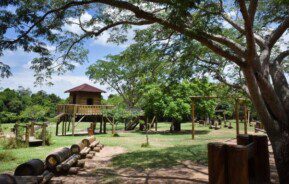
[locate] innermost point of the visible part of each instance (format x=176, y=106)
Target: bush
x=116, y=135
x=145, y=145
x=12, y=143
x=6, y=156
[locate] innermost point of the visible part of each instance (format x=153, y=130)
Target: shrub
x=12, y=143
x=116, y=135
x=6, y=156
x=145, y=145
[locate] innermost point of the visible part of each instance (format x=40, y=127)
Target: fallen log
x=73, y=170
x=88, y=141
x=76, y=148
x=80, y=163
x=57, y=157
x=47, y=176
x=7, y=178
x=65, y=166
x=89, y=156
x=85, y=151
x=92, y=152
x=101, y=146
x=33, y=167
x=96, y=149
x=93, y=144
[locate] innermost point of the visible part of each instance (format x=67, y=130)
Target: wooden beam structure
x=193, y=106
x=246, y=115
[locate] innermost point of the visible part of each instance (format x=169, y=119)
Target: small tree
x=34, y=113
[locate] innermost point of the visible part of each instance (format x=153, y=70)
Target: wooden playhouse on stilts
x=84, y=106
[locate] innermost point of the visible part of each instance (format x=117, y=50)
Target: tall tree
x=245, y=33
x=128, y=72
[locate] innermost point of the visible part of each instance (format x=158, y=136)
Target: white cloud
x=74, y=28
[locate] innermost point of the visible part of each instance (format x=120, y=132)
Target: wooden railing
x=82, y=109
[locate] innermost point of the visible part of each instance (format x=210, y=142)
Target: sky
x=23, y=76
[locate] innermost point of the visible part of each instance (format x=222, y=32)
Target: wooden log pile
x=244, y=163
x=60, y=162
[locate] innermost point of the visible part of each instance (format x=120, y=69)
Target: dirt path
x=99, y=170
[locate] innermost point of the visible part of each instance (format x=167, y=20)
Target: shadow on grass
x=161, y=158
x=182, y=132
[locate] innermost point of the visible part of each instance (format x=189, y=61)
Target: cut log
x=93, y=144
x=96, y=149
x=47, y=176
x=7, y=178
x=76, y=148
x=80, y=163
x=217, y=163
x=89, y=156
x=101, y=146
x=73, y=170
x=88, y=141
x=57, y=157
x=85, y=151
x=28, y=179
x=65, y=166
x=92, y=152
x=33, y=167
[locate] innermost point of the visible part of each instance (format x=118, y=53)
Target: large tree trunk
x=279, y=136
x=280, y=145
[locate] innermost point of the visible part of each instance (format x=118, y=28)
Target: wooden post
x=238, y=164
x=217, y=163
x=43, y=134
x=62, y=127
x=73, y=119
x=237, y=116
x=261, y=159
x=27, y=135
x=68, y=127
x=101, y=124
x=65, y=129
x=193, y=119
x=245, y=120
x=57, y=124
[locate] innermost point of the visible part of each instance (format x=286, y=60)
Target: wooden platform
x=34, y=142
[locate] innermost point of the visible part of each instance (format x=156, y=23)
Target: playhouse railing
x=82, y=109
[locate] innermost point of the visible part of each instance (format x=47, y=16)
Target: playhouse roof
x=85, y=88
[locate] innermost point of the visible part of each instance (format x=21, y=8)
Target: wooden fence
x=247, y=162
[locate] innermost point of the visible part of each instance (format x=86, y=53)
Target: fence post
x=237, y=164
x=217, y=163
x=261, y=159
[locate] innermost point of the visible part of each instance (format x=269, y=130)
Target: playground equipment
x=29, y=136
x=240, y=103
x=244, y=163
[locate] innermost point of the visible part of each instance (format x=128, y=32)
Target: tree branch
x=281, y=56
x=278, y=32
x=248, y=24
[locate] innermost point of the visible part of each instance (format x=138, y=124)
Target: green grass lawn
x=165, y=149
